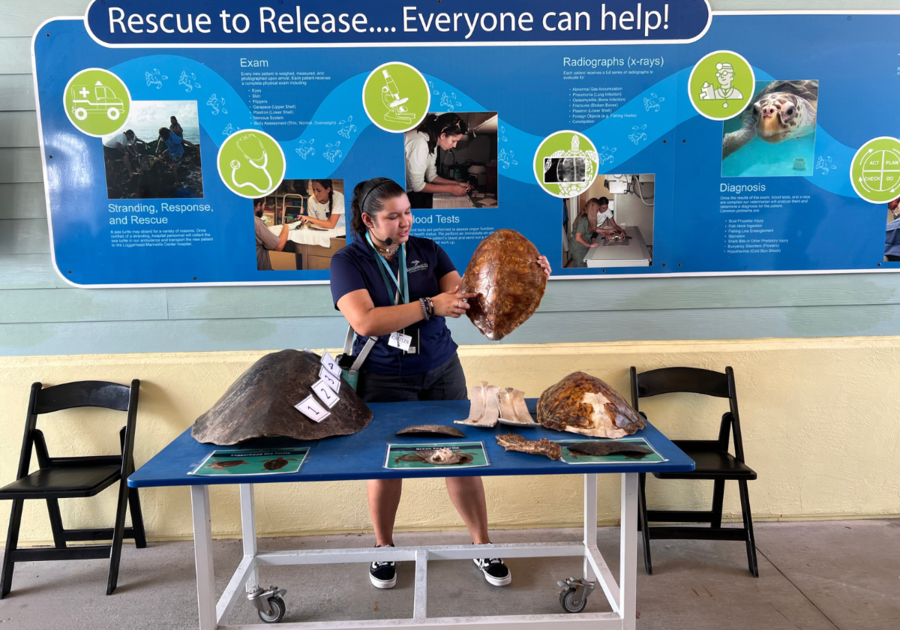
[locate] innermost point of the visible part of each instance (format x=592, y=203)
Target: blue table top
x=362, y=455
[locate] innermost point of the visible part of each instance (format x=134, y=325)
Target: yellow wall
x=819, y=420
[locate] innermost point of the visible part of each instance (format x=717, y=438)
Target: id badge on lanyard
x=399, y=339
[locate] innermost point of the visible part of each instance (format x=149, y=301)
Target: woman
x=420, y=147
x=325, y=206
x=580, y=241
x=605, y=224
x=366, y=277
x=175, y=127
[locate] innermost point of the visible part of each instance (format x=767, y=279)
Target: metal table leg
x=628, y=552
x=203, y=558
x=248, y=532
x=590, y=523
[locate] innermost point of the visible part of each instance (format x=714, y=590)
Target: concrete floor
x=813, y=576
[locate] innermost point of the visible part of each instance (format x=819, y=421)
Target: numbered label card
x=334, y=382
x=325, y=393
x=311, y=408
x=329, y=362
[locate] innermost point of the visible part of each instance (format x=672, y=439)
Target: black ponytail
x=369, y=198
x=327, y=184
x=450, y=124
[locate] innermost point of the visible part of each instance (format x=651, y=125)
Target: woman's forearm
x=325, y=223
x=384, y=320
x=579, y=239
x=439, y=188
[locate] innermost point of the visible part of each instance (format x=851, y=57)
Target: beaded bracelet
x=430, y=305
x=424, y=309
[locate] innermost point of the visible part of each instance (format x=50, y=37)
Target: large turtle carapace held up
x=261, y=404
x=584, y=404
x=783, y=110
x=506, y=275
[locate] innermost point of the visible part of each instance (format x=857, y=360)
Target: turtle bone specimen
x=581, y=403
x=485, y=408
x=513, y=409
x=513, y=442
x=431, y=430
x=629, y=450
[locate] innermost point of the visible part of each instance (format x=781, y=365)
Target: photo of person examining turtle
x=604, y=223
x=420, y=147
x=166, y=167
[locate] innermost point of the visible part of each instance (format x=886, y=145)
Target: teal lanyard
x=387, y=275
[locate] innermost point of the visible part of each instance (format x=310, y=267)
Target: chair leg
x=137, y=518
x=643, y=525
x=12, y=541
x=718, y=499
x=748, y=526
x=118, y=534
x=56, y=525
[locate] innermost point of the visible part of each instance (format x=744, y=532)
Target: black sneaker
x=495, y=572
x=383, y=574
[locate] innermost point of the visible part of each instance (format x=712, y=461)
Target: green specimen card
x=455, y=455
x=237, y=463
x=573, y=457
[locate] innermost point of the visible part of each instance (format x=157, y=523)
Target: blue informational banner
x=213, y=143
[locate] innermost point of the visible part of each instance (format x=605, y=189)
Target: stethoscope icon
x=235, y=165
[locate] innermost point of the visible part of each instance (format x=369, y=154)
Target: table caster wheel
x=277, y=608
x=574, y=594
x=570, y=600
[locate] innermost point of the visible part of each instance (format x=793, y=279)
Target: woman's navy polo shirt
x=355, y=267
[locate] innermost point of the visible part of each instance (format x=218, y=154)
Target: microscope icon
x=390, y=95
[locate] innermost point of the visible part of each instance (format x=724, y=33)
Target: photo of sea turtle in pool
x=156, y=154
x=775, y=136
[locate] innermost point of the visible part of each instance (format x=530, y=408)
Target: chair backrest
x=682, y=379
x=693, y=381
x=73, y=395
x=82, y=394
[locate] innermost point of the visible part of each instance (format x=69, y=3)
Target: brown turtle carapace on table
x=227, y=464
x=277, y=464
x=631, y=451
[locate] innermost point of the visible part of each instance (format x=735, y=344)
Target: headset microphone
x=388, y=241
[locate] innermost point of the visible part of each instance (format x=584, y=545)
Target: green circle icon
x=97, y=102
x=566, y=164
x=396, y=97
x=721, y=85
x=251, y=163
x=875, y=171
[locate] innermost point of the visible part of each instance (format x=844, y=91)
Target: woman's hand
x=545, y=265
x=594, y=245
x=458, y=190
x=452, y=303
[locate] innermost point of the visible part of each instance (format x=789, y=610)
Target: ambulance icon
x=101, y=100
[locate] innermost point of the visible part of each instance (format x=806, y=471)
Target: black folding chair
x=69, y=477
x=712, y=459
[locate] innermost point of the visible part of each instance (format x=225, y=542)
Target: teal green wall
x=41, y=315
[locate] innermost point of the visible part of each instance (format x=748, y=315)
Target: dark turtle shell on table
x=505, y=273
x=261, y=404
x=584, y=404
